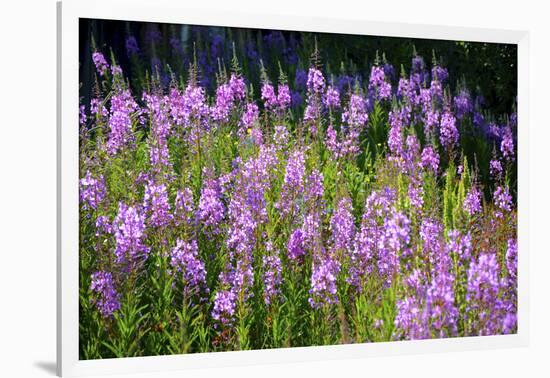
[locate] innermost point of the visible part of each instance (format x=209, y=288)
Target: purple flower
x=448, y=133
x=393, y=244
x=300, y=81
x=224, y=103
x=106, y=298
x=158, y=109
x=430, y=159
x=132, y=47
x=440, y=303
x=484, y=306
x=269, y=97
x=495, y=169
x=283, y=97
x=184, y=207
x=129, y=229
x=507, y=144
x=314, y=188
x=472, y=202
x=293, y=185
x=280, y=136
x=440, y=73
x=332, y=98
x=100, y=63
x=250, y=115
x=184, y=259
x=323, y=290
x=272, y=277
x=331, y=142
x=395, y=135
x=512, y=259
x=156, y=206
x=237, y=86
x=225, y=303
x=295, y=246
x=120, y=121
x=342, y=228
x=315, y=81
x=502, y=200
x=211, y=210
x=92, y=191
x=378, y=85
x=355, y=114
x=463, y=104
x=460, y=245
x=431, y=121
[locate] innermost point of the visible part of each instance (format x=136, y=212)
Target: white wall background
x=27, y=187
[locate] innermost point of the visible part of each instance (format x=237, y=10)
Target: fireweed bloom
x=189, y=110
x=430, y=159
x=184, y=207
x=463, y=104
x=507, y=144
x=272, y=276
x=405, y=91
x=268, y=96
x=395, y=135
x=132, y=47
x=92, y=191
x=314, y=189
x=484, y=305
x=123, y=107
x=448, y=133
x=295, y=246
x=315, y=87
x=315, y=81
x=156, y=206
x=502, y=200
x=377, y=208
x=472, y=202
x=355, y=118
x=106, y=299
x=512, y=259
x=224, y=103
x=323, y=290
x=393, y=244
x=237, y=86
x=331, y=142
x=378, y=86
x=342, y=228
x=331, y=99
x=431, y=233
x=431, y=122
x=129, y=230
x=184, y=259
x=160, y=129
x=495, y=169
x=250, y=116
x=280, y=137
x=293, y=184
x=283, y=97
x=355, y=115
x=460, y=245
x=101, y=64
x=211, y=210
x=225, y=304
x=440, y=73
x=440, y=303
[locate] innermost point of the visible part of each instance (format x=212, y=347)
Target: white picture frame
x=69, y=12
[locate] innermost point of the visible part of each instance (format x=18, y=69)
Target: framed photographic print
x=240, y=188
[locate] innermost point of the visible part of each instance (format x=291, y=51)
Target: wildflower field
x=246, y=189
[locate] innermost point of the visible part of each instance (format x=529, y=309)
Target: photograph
x=246, y=189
